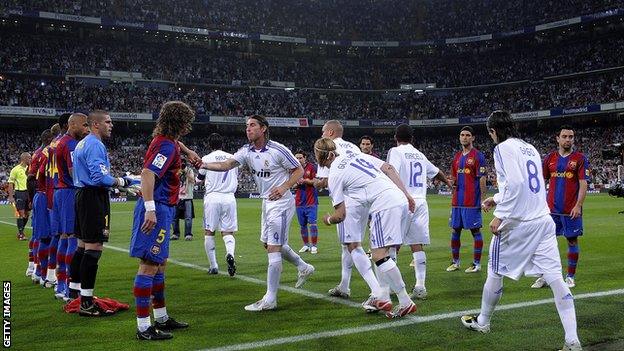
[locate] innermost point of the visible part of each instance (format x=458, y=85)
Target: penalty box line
x=398, y=323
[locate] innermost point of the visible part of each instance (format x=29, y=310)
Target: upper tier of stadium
x=371, y=20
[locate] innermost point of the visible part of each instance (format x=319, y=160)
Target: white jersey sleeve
x=521, y=189
x=220, y=182
x=241, y=155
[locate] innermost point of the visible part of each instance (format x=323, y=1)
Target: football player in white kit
x=351, y=230
x=414, y=168
x=524, y=239
x=275, y=171
x=219, y=205
x=376, y=186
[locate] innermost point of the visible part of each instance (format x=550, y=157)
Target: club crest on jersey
x=155, y=249
x=159, y=161
x=470, y=161
x=572, y=165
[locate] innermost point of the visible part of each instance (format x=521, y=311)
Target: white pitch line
x=244, y=278
x=290, y=289
x=397, y=323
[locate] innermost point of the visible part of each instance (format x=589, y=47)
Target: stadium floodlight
x=289, y=89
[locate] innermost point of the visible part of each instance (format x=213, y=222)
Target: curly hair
x=174, y=120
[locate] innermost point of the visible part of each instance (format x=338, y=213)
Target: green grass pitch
x=213, y=305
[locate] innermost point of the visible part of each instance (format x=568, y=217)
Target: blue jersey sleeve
x=98, y=165
x=481, y=171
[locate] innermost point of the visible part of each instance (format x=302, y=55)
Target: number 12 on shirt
x=415, y=173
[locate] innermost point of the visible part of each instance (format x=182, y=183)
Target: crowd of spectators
x=186, y=62
x=78, y=95
x=334, y=19
x=127, y=149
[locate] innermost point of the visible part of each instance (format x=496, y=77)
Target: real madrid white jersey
x=521, y=189
x=270, y=167
x=359, y=177
x=413, y=167
x=220, y=182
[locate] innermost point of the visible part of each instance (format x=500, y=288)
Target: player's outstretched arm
x=191, y=155
x=222, y=166
x=442, y=177
x=388, y=170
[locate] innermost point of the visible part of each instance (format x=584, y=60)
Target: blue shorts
x=53, y=222
x=64, y=211
x=568, y=227
x=306, y=215
x=40, y=216
x=152, y=246
x=465, y=218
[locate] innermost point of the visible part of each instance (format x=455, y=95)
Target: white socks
x=160, y=314
x=565, y=305
x=209, y=246
x=291, y=256
x=274, y=272
x=363, y=265
x=230, y=244
x=420, y=267
x=492, y=292
x=347, y=263
x=389, y=272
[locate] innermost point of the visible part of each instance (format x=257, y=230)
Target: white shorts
x=528, y=248
x=418, y=226
x=351, y=230
x=220, y=212
x=275, y=220
x=387, y=226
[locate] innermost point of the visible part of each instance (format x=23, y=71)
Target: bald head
x=332, y=129
x=78, y=126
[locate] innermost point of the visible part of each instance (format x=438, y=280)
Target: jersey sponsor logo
x=568, y=175
x=481, y=169
x=103, y=169
x=587, y=172
x=266, y=163
x=463, y=170
x=159, y=161
x=264, y=173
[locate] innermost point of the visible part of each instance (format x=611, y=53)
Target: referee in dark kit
x=93, y=180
